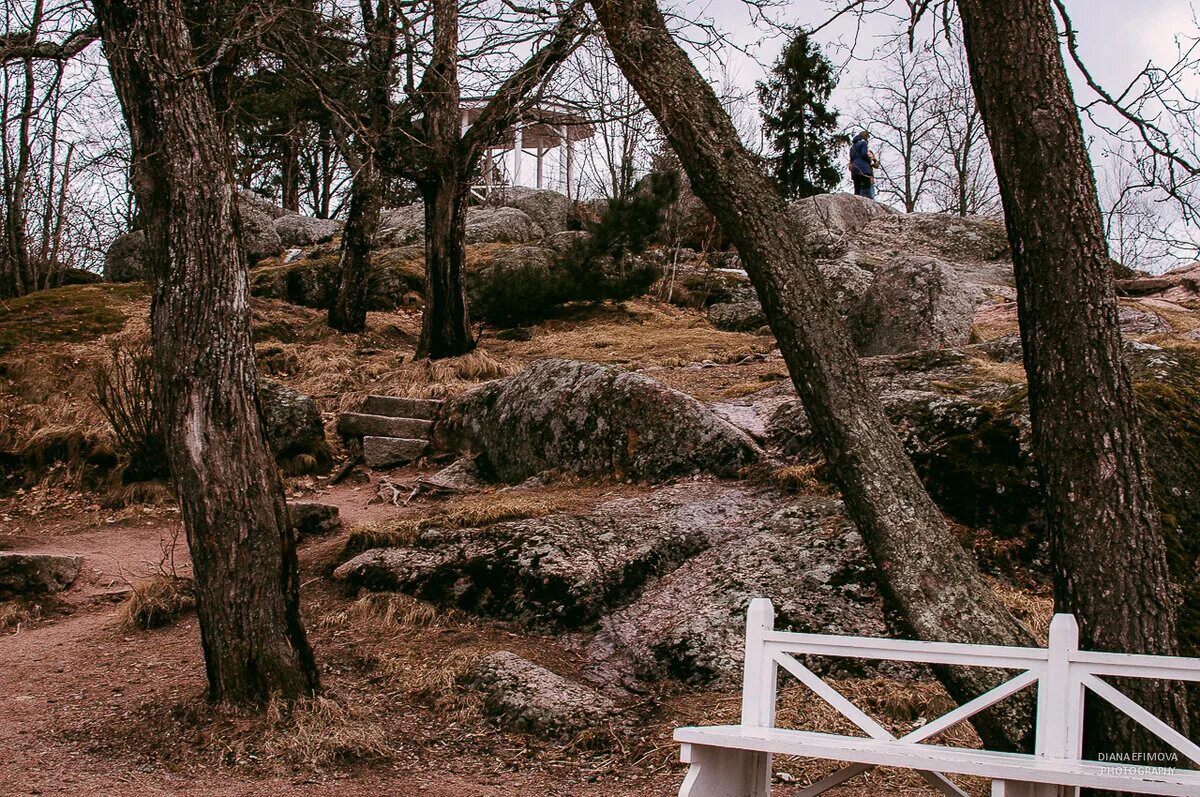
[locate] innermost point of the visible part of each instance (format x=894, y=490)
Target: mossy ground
x=71, y=314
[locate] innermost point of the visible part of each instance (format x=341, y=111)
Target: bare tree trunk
x=242, y=545
x=289, y=169
x=1109, y=557
x=927, y=576
x=446, y=327
x=349, y=310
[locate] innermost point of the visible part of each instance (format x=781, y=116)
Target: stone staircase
x=394, y=430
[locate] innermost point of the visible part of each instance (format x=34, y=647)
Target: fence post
x=758, y=687
x=1059, y=730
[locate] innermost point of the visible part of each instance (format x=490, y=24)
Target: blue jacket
x=860, y=159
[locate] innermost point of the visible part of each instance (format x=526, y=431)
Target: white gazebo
x=536, y=152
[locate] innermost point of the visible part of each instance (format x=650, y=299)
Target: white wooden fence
x=735, y=760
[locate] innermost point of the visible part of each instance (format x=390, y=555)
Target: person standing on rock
x=862, y=162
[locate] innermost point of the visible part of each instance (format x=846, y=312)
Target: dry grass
x=1035, y=610
x=322, y=731
x=800, y=480
x=20, y=612
x=1002, y=372
x=638, y=334
x=385, y=612
x=158, y=601
x=469, y=512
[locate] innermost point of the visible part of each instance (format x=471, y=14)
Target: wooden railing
x=735, y=760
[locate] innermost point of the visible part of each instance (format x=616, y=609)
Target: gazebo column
x=564, y=158
x=541, y=152
x=519, y=141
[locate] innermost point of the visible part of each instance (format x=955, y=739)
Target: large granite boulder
x=37, y=573
x=396, y=276
x=549, y=210
x=404, y=226
x=591, y=418
x=502, y=225
x=125, y=260
x=529, y=698
x=831, y=221
x=915, y=303
x=293, y=424
x=744, y=316
x=258, y=235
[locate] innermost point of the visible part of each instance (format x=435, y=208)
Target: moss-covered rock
x=313, y=282
x=71, y=314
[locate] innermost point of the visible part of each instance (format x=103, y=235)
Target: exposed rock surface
x=547, y=209
x=914, y=304
x=37, y=573
x=804, y=555
x=294, y=426
x=737, y=316
x=560, y=571
x=527, y=697
x=591, y=418
x=297, y=230
x=125, y=260
x=314, y=517
x=487, y=225
x=831, y=221
x=313, y=282
x=258, y=235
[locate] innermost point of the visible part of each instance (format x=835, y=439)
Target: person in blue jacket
x=862, y=173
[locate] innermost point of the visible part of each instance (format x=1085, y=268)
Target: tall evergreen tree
x=796, y=118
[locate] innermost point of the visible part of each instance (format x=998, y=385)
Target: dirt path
x=79, y=694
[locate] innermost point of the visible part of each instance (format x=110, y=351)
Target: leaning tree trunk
x=1109, y=558
x=242, y=545
x=348, y=313
x=926, y=574
x=446, y=326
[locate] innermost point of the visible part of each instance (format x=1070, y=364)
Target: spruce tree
x=800, y=126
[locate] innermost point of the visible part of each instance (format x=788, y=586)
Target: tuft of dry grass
x=20, y=612
x=1035, y=609
x=152, y=493
x=1003, y=372
x=800, y=480
x=386, y=612
x=158, y=601
x=321, y=731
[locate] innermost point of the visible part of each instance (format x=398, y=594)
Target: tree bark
x=1109, y=557
x=242, y=545
x=446, y=325
x=926, y=575
x=349, y=310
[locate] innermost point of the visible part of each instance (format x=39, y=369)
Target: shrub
x=124, y=392
x=600, y=267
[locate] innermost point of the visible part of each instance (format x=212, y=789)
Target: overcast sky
x=1117, y=37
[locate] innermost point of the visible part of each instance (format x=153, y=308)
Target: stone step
x=361, y=424
x=401, y=407
x=380, y=452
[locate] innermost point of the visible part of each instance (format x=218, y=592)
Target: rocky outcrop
x=591, y=418
x=830, y=222
x=125, y=260
x=528, y=698
x=914, y=304
x=804, y=555
x=297, y=230
x=560, y=571
x=258, y=235
x=549, y=210
x=37, y=573
x=394, y=281
x=737, y=316
x=293, y=424
x=491, y=225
